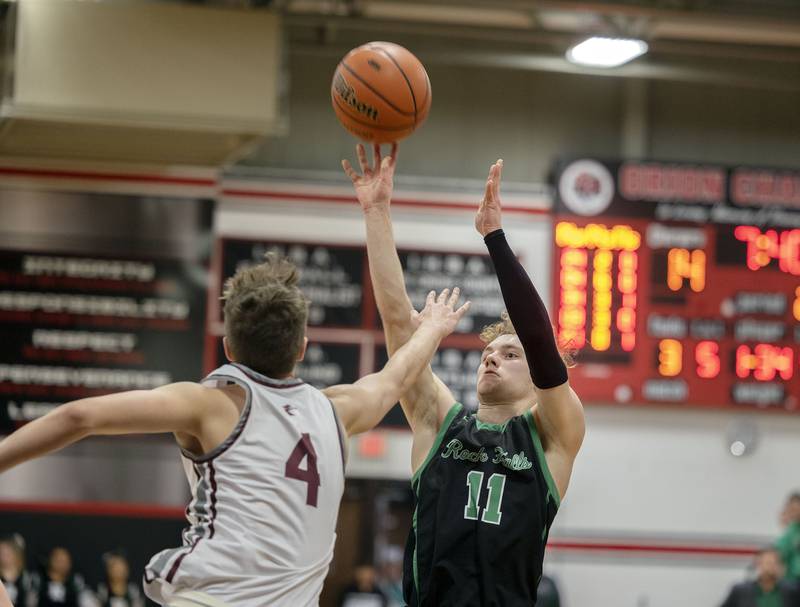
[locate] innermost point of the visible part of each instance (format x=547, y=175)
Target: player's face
x=769, y=566
x=8, y=558
x=793, y=510
x=503, y=375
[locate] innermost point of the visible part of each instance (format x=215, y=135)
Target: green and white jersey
x=484, y=501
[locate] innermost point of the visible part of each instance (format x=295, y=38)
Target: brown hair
x=265, y=316
x=504, y=327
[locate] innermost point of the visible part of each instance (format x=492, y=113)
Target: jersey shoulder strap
x=456, y=411
x=537, y=445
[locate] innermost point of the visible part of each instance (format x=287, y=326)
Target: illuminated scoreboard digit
x=679, y=283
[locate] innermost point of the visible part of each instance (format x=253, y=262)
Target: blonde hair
x=504, y=327
x=265, y=316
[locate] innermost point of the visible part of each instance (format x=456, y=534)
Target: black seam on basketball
x=370, y=124
x=384, y=99
x=408, y=82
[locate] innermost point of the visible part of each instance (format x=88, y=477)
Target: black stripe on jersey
x=235, y=433
x=213, y=478
x=279, y=384
x=213, y=501
x=340, y=434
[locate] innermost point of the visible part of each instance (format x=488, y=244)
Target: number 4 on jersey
x=304, y=449
x=497, y=485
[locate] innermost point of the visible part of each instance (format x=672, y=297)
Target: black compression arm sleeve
x=528, y=314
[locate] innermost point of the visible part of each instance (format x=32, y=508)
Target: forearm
x=57, y=429
x=387, y=274
x=406, y=364
x=528, y=314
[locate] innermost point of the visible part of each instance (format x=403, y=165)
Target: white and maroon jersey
x=264, y=502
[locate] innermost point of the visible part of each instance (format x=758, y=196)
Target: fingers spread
x=348, y=170
x=393, y=153
x=362, y=158
x=376, y=155
x=454, y=297
x=463, y=310
x=443, y=296
x=431, y=298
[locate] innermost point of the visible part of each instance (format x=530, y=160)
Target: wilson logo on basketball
x=348, y=95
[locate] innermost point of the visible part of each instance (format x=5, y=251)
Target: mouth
x=485, y=373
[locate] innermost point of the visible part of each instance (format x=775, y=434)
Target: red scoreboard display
x=679, y=283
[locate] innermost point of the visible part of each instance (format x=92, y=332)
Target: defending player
x=486, y=485
x=263, y=451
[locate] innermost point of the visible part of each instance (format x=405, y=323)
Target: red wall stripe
x=56, y=174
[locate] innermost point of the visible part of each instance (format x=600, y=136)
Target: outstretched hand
x=489, y=216
x=375, y=183
x=441, y=311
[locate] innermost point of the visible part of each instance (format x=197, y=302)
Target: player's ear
x=302, y=354
x=227, y=349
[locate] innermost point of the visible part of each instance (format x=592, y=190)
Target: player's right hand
x=375, y=183
x=440, y=312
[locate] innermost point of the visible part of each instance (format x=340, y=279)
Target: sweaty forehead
x=508, y=340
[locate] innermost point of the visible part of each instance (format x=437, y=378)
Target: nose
x=491, y=360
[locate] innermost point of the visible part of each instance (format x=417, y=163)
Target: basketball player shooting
x=263, y=451
x=487, y=485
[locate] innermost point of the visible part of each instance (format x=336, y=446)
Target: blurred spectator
x=116, y=590
x=768, y=589
x=364, y=591
x=57, y=586
x=17, y=581
x=547, y=593
x=391, y=580
x=788, y=544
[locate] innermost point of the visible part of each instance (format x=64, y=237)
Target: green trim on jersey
x=491, y=427
x=537, y=443
x=436, y=442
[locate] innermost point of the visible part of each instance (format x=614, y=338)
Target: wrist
x=492, y=233
x=377, y=208
x=433, y=327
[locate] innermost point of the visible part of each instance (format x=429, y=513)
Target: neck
x=498, y=414
x=9, y=573
x=118, y=587
x=56, y=577
x=767, y=584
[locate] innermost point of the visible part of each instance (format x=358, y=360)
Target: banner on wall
x=679, y=283
x=77, y=326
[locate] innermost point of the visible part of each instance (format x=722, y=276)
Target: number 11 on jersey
x=497, y=485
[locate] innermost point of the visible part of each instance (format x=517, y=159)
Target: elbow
x=76, y=417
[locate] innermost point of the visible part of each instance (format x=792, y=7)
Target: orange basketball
x=381, y=92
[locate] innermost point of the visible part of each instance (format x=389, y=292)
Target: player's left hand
x=489, y=217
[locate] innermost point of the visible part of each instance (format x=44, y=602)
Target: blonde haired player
x=487, y=484
x=263, y=451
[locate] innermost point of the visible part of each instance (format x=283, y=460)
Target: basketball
x=381, y=92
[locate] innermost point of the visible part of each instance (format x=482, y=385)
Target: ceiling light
x=606, y=52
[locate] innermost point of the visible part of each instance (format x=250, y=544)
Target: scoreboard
x=679, y=283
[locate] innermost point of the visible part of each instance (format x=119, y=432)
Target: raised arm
x=179, y=407
x=363, y=404
x=559, y=412
x=427, y=402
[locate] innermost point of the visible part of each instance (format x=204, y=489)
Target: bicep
x=560, y=412
x=172, y=408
